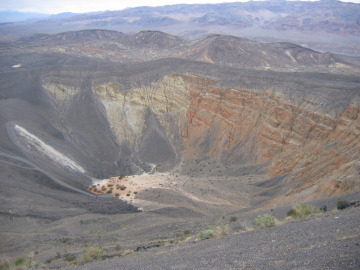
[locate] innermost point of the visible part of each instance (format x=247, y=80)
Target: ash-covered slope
x=49, y=153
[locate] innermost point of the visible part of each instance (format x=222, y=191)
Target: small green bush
x=341, y=203
x=263, y=221
x=92, y=253
x=117, y=247
x=69, y=257
x=233, y=219
x=186, y=232
x=241, y=228
x=206, y=234
x=292, y=213
x=19, y=261
x=302, y=210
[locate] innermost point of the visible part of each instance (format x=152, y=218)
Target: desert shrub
x=240, y=228
x=342, y=204
x=92, y=253
x=128, y=194
x=128, y=251
x=122, y=187
x=69, y=257
x=206, y=234
x=302, y=210
x=109, y=191
x=292, y=213
x=19, y=261
x=263, y=221
x=117, y=194
x=233, y=219
x=117, y=247
x=186, y=232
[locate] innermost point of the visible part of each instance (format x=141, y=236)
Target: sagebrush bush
x=233, y=219
x=263, y=221
x=92, y=253
x=69, y=257
x=302, y=210
x=206, y=234
x=19, y=261
x=341, y=204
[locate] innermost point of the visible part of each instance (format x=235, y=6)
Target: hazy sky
x=80, y=6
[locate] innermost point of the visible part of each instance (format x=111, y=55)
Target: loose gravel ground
x=325, y=241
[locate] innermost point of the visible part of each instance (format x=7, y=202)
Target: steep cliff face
x=189, y=117
x=320, y=154
x=149, y=119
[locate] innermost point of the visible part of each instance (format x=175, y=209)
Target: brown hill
x=218, y=49
x=235, y=51
x=151, y=40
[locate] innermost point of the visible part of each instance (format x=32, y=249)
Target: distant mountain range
x=323, y=25
x=16, y=16
x=224, y=50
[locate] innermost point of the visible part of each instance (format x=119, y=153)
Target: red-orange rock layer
x=315, y=149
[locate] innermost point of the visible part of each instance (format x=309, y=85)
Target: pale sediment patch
x=36, y=144
x=163, y=190
x=126, y=188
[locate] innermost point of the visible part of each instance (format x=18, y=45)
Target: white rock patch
x=47, y=150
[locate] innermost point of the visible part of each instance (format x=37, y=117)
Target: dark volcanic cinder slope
x=41, y=148
x=287, y=246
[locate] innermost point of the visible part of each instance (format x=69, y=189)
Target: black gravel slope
x=328, y=241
